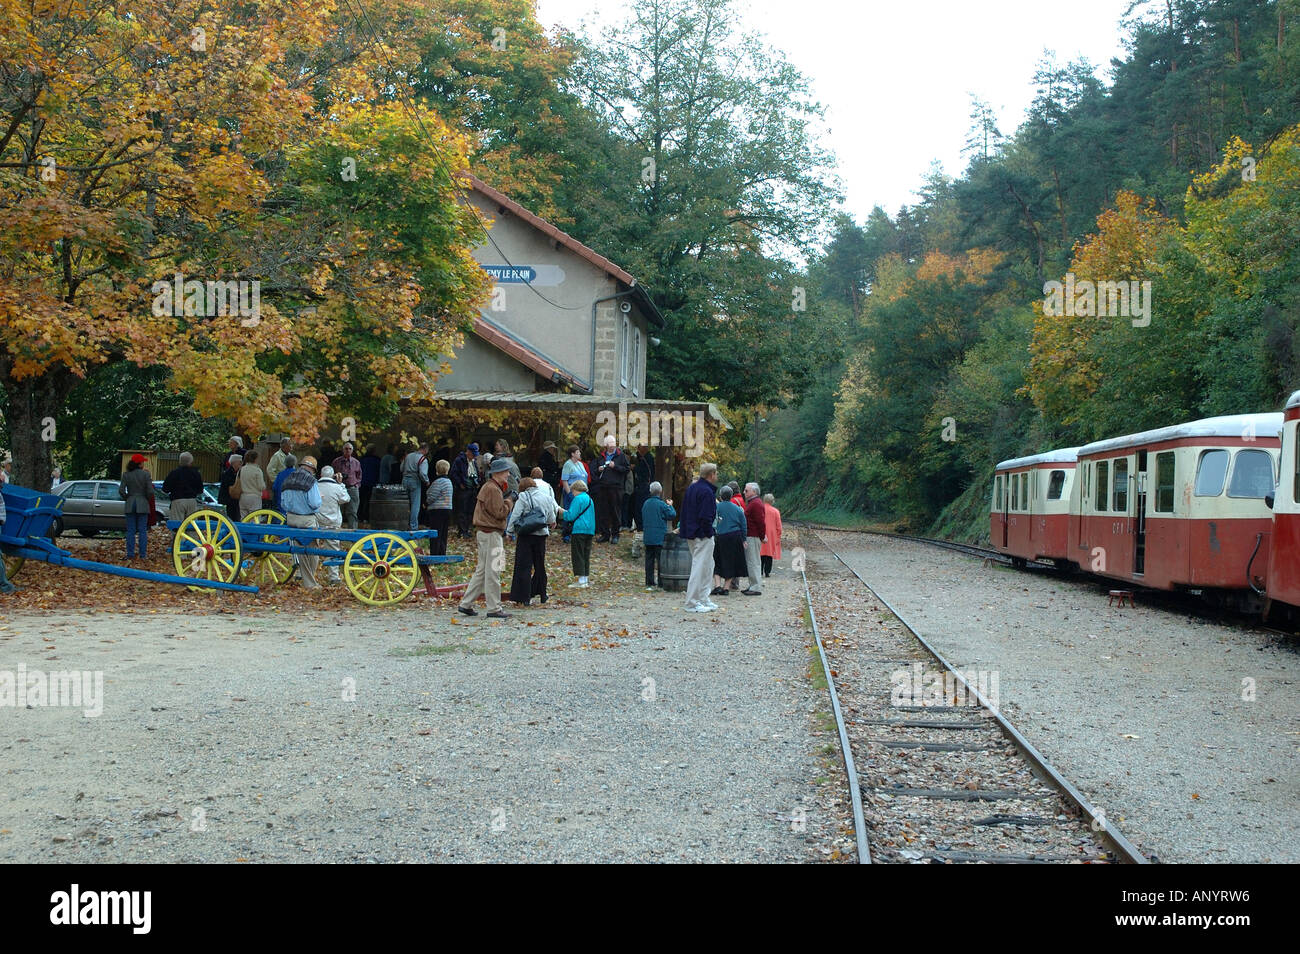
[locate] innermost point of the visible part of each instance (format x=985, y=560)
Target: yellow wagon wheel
x=207, y=547
x=267, y=570
x=381, y=569
x=13, y=564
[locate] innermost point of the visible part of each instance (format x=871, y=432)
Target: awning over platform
x=541, y=400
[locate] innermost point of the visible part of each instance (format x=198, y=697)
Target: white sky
x=895, y=77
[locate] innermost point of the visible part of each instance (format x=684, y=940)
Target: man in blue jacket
x=654, y=516
x=699, y=510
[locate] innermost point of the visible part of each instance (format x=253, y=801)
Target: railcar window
x=1165, y=482
x=1024, y=492
x=1085, y=490
x=1103, y=484
x=1210, y=472
x=1055, y=484
x=1015, y=492
x=1252, y=474
x=997, y=493
x=1121, y=485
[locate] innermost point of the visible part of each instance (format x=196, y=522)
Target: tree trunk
x=34, y=403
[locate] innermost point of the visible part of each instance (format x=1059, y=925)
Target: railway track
x=984, y=553
x=941, y=775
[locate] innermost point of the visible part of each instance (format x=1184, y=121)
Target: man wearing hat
x=550, y=467
x=490, y=515
x=333, y=502
x=300, y=497
x=464, y=483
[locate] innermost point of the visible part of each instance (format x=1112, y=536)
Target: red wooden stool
x=1121, y=595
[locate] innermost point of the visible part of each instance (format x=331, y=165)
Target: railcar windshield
x=1210, y=472
x=1252, y=474
x=1055, y=484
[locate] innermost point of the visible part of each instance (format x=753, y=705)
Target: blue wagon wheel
x=207, y=547
x=381, y=569
x=267, y=570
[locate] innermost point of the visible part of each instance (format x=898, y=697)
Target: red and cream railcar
x=1030, y=515
x=1181, y=507
x=1284, y=566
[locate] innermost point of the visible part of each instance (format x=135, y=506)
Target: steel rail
x=1125, y=849
x=850, y=769
x=967, y=548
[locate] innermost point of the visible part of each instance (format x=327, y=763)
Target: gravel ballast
x=612, y=726
x=1148, y=711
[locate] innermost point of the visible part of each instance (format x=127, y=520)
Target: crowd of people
x=733, y=533
x=728, y=541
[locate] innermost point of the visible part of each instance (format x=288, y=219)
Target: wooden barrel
x=390, y=508
x=675, y=563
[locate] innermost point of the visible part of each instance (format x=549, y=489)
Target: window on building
x=1165, y=482
x=1103, y=485
x=1252, y=474
x=1121, y=485
x=636, y=361
x=626, y=352
x=1055, y=485
x=1211, y=470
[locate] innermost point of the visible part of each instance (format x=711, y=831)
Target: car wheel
x=88, y=533
x=56, y=528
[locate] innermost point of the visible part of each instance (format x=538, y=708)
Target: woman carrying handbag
x=530, y=522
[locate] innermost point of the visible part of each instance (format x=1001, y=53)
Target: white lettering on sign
x=544, y=275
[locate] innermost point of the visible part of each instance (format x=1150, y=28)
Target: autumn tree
x=144, y=145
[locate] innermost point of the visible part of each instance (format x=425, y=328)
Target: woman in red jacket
x=771, y=549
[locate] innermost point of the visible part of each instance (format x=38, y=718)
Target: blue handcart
x=379, y=567
x=25, y=536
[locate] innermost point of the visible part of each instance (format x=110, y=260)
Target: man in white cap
x=334, y=498
x=491, y=511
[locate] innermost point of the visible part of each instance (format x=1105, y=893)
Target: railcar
x=1030, y=514
x=1284, y=567
x=1182, y=507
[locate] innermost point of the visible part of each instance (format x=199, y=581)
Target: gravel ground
x=226, y=736
x=1141, y=708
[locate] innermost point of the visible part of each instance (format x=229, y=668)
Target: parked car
x=209, y=495
x=91, y=506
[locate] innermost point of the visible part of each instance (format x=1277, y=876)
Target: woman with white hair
x=655, y=514
x=184, y=485
x=530, y=523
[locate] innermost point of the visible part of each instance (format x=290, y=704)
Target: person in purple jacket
x=699, y=509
